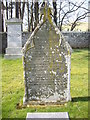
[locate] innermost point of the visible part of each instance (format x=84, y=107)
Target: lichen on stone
x=46, y=57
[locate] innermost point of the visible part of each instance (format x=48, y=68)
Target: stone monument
x=46, y=60
x=14, y=39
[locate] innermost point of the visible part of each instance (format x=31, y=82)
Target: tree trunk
x=73, y=26
x=23, y=9
x=60, y=13
x=32, y=16
x=11, y=9
x=55, y=12
x=6, y=10
x=0, y=27
x=22, y=12
x=17, y=9
x=28, y=16
x=2, y=16
x=36, y=11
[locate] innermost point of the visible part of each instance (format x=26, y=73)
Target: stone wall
x=75, y=39
x=3, y=41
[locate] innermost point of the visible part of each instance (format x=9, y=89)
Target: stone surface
x=48, y=116
x=14, y=39
x=14, y=21
x=14, y=50
x=12, y=56
x=75, y=39
x=46, y=57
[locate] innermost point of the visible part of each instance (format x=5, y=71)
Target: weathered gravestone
x=14, y=39
x=46, y=58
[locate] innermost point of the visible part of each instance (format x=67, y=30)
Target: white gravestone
x=14, y=39
x=48, y=116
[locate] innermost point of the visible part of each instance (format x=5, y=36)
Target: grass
x=13, y=88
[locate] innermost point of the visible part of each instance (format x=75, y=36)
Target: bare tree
x=69, y=9
x=0, y=28
x=28, y=11
x=19, y=5
x=17, y=9
x=2, y=11
x=6, y=9
x=55, y=11
x=68, y=12
x=11, y=9
x=32, y=27
x=75, y=23
x=0, y=17
x=23, y=9
x=36, y=11
x=5, y=5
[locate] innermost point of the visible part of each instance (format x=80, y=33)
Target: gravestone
x=46, y=60
x=14, y=39
x=48, y=116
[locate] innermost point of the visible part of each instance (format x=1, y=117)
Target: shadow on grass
x=77, y=99
x=80, y=50
x=77, y=50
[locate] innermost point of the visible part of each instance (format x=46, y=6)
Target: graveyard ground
x=13, y=88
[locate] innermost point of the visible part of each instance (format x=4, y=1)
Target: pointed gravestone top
x=46, y=57
x=46, y=11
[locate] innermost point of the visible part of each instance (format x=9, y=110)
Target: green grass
x=13, y=88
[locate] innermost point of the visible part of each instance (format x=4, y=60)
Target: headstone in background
x=46, y=57
x=48, y=116
x=14, y=39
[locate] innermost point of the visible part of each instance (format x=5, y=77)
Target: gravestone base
x=48, y=116
x=43, y=103
x=13, y=56
x=7, y=56
x=13, y=53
